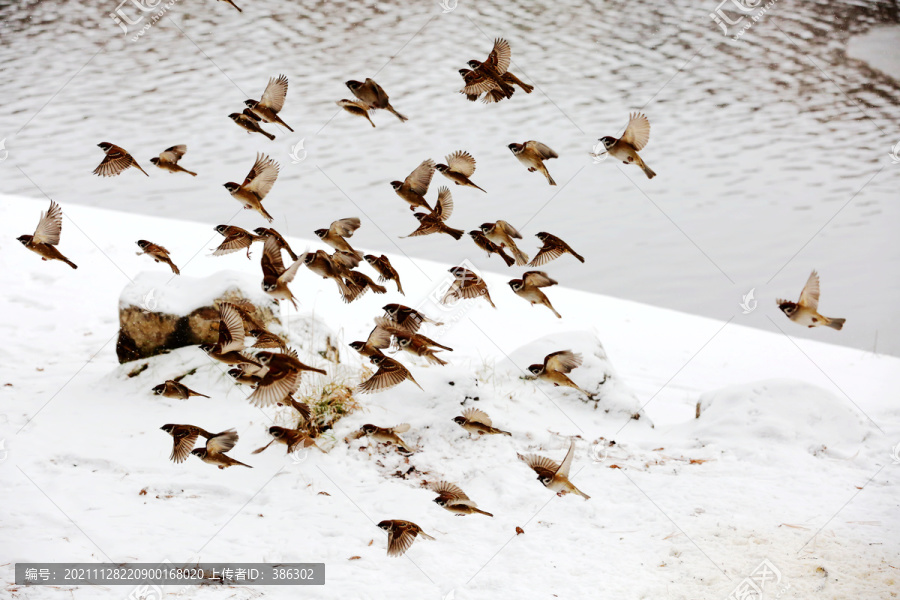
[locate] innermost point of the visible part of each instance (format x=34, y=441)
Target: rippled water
x=772, y=151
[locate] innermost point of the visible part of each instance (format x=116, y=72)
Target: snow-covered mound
x=162, y=292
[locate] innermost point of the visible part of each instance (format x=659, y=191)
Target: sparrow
x=450, y=497
x=529, y=287
x=168, y=160
x=46, y=236
x=553, y=248
x=491, y=71
x=490, y=247
x=358, y=284
x=236, y=239
x=379, y=339
x=433, y=222
x=337, y=233
x=281, y=380
x=555, y=367
x=355, y=107
x=233, y=4
x=408, y=318
x=157, y=253
x=294, y=439
x=267, y=339
x=387, y=435
x=805, y=310
x=228, y=348
x=553, y=475
x=241, y=377
x=386, y=271
x=185, y=436
x=265, y=233
x=271, y=103
x=467, y=284
x=414, y=343
x=401, y=535
x=460, y=166
x=415, y=186
x=320, y=263
x=389, y=373
x=502, y=234
x=115, y=161
x=214, y=452
x=533, y=154
x=249, y=122
x=477, y=421
x=626, y=148
x=372, y=94
x=475, y=80
x=256, y=186
x=275, y=276
x=173, y=389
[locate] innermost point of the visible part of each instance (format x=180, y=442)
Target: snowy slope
x=789, y=432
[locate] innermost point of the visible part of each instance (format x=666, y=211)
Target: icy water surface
x=772, y=151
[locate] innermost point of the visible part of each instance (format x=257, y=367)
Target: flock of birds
x=274, y=371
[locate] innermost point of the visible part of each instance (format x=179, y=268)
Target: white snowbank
x=179, y=295
x=879, y=48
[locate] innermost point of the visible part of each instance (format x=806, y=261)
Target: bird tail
x=435, y=359
x=501, y=432
x=193, y=393
x=650, y=173
x=456, y=233
x=550, y=179
x=509, y=260
x=267, y=134
x=580, y=493
x=550, y=306
x=235, y=5
x=70, y=263
x=482, y=512
x=475, y=186
x=379, y=289
x=487, y=297
x=837, y=324
x=263, y=212
x=237, y=462
x=280, y=122
x=174, y=268
x=188, y=172
x=134, y=162
x=399, y=287
x=521, y=257
x=578, y=256
x=370, y=119
x=403, y=118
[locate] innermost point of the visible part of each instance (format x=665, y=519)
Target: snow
x=789, y=461
x=878, y=48
x=163, y=292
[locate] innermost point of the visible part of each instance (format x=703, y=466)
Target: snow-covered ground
x=790, y=460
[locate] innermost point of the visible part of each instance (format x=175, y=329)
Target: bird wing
x=50, y=225
x=379, y=338
x=291, y=271
x=276, y=90
x=637, y=133
x=115, y=161
x=223, y=442
x=389, y=374
x=477, y=83
x=271, y=258
x=563, y=361
x=538, y=279
x=461, y=162
x=381, y=96
x=474, y=415
x=563, y=470
x=509, y=229
x=173, y=154
x=400, y=538
x=540, y=464
x=275, y=387
x=234, y=242
x=809, y=297
x=444, y=207
x=426, y=227
x=542, y=150
x=231, y=336
x=500, y=56
x=184, y=440
x=344, y=227
x=452, y=492
x=419, y=180
x=262, y=176
x=401, y=428
x=545, y=255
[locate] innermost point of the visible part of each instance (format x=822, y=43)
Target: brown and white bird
x=490, y=247
x=529, y=287
x=256, y=185
x=553, y=248
x=390, y=373
x=372, y=94
x=266, y=109
x=294, y=439
x=504, y=235
x=214, y=452
x=174, y=389
x=489, y=74
x=229, y=347
x=476, y=80
x=460, y=166
x=275, y=276
x=282, y=378
x=386, y=271
x=626, y=148
x=157, y=253
x=242, y=377
x=477, y=421
x=408, y=318
x=414, y=343
x=401, y=535
x=249, y=122
x=805, y=310
x=387, y=435
x=415, y=186
x=337, y=233
x=323, y=265
x=433, y=222
x=185, y=436
x=532, y=154
x=451, y=498
x=555, y=368
x=355, y=107
x=46, y=236
x=236, y=238
x=264, y=233
x=553, y=475
x=116, y=160
x=168, y=160
x=466, y=284
x=359, y=283
x=379, y=339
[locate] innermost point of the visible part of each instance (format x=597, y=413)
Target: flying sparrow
x=387, y=435
x=265, y=233
x=502, y=234
x=320, y=263
x=555, y=368
x=529, y=287
x=389, y=373
x=216, y=447
x=249, y=122
x=415, y=186
x=433, y=222
x=407, y=318
x=379, y=339
x=174, y=389
x=450, y=497
x=414, y=343
x=386, y=271
x=236, y=238
x=533, y=154
x=230, y=345
x=553, y=248
x=401, y=535
x=626, y=148
x=275, y=276
x=281, y=380
x=185, y=436
x=242, y=377
x=157, y=253
x=168, y=160
x=358, y=284
x=355, y=107
x=805, y=310
x=337, y=233
x=371, y=94
x=460, y=166
x=292, y=438
x=256, y=186
x=271, y=103
x=115, y=161
x=477, y=421
x=553, y=475
x=490, y=247
x=46, y=236
x=492, y=70
x=466, y=284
